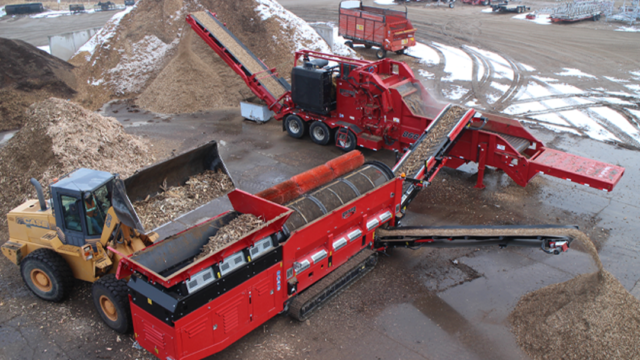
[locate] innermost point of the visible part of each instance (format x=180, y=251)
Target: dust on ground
x=27, y=75
x=176, y=200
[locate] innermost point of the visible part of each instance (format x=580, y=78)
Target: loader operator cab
x=80, y=201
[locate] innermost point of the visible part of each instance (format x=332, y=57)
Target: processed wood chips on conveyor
x=441, y=128
x=231, y=233
x=174, y=201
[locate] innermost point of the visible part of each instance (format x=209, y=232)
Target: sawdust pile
x=177, y=200
x=231, y=233
x=429, y=145
x=57, y=138
x=27, y=75
x=152, y=55
x=591, y=316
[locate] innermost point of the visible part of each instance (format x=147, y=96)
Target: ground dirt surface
x=424, y=304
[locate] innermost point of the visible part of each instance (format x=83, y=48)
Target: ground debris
x=230, y=233
x=177, y=200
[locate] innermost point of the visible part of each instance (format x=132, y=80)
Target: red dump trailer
x=389, y=30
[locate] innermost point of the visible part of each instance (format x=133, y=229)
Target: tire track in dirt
x=479, y=86
x=518, y=83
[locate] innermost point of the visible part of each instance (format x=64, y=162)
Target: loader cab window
x=71, y=213
x=96, y=204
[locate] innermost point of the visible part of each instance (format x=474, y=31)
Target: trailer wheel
x=320, y=133
x=367, y=46
x=47, y=275
x=112, y=302
x=294, y=126
x=451, y=5
x=486, y=2
x=351, y=142
x=381, y=53
x=349, y=43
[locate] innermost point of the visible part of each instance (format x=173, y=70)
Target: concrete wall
x=64, y=46
x=325, y=31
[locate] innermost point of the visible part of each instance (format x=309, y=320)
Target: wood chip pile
x=58, y=137
x=428, y=146
x=177, y=200
x=230, y=233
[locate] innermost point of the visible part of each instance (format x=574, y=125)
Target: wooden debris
x=230, y=233
x=175, y=201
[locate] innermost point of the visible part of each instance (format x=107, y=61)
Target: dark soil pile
x=58, y=137
x=27, y=75
x=177, y=200
x=230, y=233
x=153, y=56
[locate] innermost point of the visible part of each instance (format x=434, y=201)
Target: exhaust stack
x=36, y=184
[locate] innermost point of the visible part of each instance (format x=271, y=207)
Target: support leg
x=482, y=159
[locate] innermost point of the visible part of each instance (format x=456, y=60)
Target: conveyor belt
x=243, y=55
x=520, y=144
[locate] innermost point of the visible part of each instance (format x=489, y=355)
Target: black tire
x=295, y=126
x=486, y=3
x=400, y=52
x=349, y=43
x=110, y=297
x=47, y=275
x=367, y=46
x=320, y=133
x=381, y=53
x=351, y=142
x=451, y=5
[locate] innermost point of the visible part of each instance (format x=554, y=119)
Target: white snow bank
x=575, y=72
x=425, y=53
x=106, y=33
x=628, y=29
x=304, y=37
x=45, y=48
x=2, y=12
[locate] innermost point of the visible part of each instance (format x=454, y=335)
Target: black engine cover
x=311, y=90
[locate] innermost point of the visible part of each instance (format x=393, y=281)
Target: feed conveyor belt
x=250, y=63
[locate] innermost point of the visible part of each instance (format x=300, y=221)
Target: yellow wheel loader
x=90, y=211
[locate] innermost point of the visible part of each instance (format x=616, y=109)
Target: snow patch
x=134, y=70
x=501, y=87
x=304, y=36
x=610, y=78
x=556, y=129
x=527, y=67
x=628, y=29
x=487, y=10
x=455, y=92
x=105, y=34
x=45, y=48
x=541, y=19
x=385, y=2
x=618, y=121
x=425, y=53
x=575, y=72
x=635, y=113
x=633, y=87
x=502, y=68
x=2, y=12
x=457, y=63
x=544, y=79
x=426, y=74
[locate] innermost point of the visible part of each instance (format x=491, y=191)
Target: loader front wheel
x=47, y=275
x=294, y=126
x=112, y=302
x=320, y=133
x=381, y=53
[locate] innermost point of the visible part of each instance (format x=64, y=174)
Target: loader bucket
x=175, y=171
x=172, y=172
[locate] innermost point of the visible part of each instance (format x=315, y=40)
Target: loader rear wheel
x=112, y=302
x=47, y=275
x=294, y=126
x=320, y=133
x=381, y=53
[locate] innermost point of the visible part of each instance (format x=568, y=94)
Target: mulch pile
x=177, y=200
x=591, y=316
x=27, y=75
x=230, y=233
x=57, y=138
x=154, y=57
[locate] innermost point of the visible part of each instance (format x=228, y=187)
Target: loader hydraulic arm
x=552, y=239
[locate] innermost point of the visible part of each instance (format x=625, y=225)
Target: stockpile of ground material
x=58, y=137
x=429, y=145
x=591, y=316
x=230, y=233
x=27, y=75
x=152, y=54
x=177, y=200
